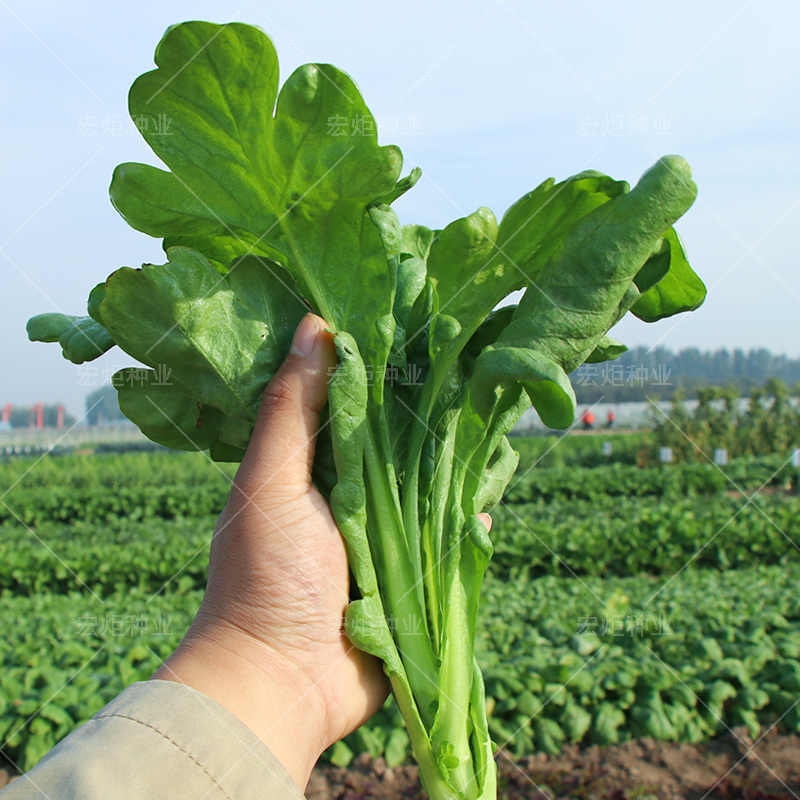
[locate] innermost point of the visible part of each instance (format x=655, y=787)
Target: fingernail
x=305, y=336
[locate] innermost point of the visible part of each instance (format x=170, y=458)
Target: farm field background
x=622, y=601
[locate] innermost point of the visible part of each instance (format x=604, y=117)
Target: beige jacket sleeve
x=158, y=739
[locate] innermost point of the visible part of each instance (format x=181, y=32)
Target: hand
x=268, y=643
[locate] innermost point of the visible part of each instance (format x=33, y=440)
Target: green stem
x=419, y=430
x=431, y=585
x=401, y=591
x=453, y=725
x=434, y=525
x=432, y=779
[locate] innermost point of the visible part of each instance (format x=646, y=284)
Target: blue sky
x=489, y=99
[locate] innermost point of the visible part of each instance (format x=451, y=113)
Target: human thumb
x=281, y=450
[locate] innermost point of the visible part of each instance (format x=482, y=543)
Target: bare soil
x=725, y=769
x=639, y=770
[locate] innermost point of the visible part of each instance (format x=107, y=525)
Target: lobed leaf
x=221, y=336
x=81, y=338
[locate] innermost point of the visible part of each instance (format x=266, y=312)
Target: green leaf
x=752, y=698
x=396, y=748
x=36, y=748
x=446, y=759
x=498, y=472
x=680, y=693
x=371, y=740
x=222, y=335
x=708, y=649
x=474, y=263
x=56, y=714
x=607, y=720
x=167, y=413
x=649, y=717
x=157, y=203
x=575, y=721
x=96, y=297
x=719, y=692
x=743, y=716
x=655, y=268
x=679, y=290
x=679, y=717
x=292, y=186
x=789, y=677
x=549, y=735
x=563, y=318
x=607, y=349
x=410, y=283
x=731, y=669
x=341, y=754
x=81, y=338
x=401, y=187
x=222, y=451
x=417, y=241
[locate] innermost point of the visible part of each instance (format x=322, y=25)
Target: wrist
x=267, y=691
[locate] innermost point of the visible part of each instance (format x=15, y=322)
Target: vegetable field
x=415, y=459
x=621, y=602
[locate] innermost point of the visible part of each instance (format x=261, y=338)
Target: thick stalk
x=434, y=524
x=432, y=779
x=401, y=592
x=482, y=747
x=467, y=550
x=443, y=358
x=431, y=584
x=453, y=725
x=419, y=430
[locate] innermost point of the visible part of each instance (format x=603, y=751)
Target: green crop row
x=621, y=536
x=181, y=498
x=104, y=488
x=533, y=484
x=105, y=558
x=143, y=486
x=605, y=536
x=556, y=450
x=613, y=480
x=140, y=486
x=63, y=657
x=113, y=470
x=565, y=660
x=673, y=659
x=767, y=423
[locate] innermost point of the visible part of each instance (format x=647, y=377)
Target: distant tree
x=21, y=416
x=739, y=363
x=767, y=423
x=760, y=364
x=102, y=406
x=722, y=366
x=689, y=370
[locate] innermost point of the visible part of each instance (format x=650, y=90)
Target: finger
x=486, y=520
x=281, y=449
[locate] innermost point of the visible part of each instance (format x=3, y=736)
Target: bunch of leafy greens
x=277, y=202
